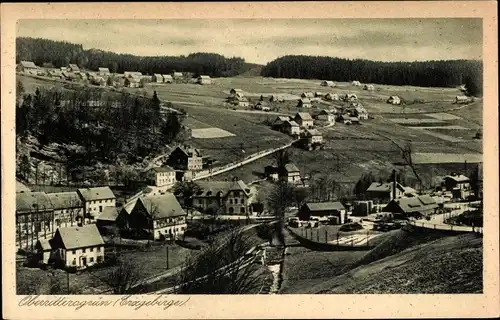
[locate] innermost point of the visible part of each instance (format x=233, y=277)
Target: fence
x=314, y=241
x=446, y=227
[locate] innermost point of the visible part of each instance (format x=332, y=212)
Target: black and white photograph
x=249, y=156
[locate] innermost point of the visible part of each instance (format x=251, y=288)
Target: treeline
x=105, y=128
x=60, y=54
x=447, y=73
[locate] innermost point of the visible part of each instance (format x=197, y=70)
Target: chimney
x=394, y=184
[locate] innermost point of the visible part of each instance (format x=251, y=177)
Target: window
x=99, y=259
x=230, y=201
x=91, y=259
x=74, y=251
x=91, y=249
x=74, y=262
x=83, y=250
x=236, y=201
x=242, y=210
x=98, y=249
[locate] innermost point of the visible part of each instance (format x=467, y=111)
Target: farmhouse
x=350, y=97
x=326, y=115
x=291, y=127
x=162, y=176
x=232, y=196
x=103, y=71
x=356, y=83
x=304, y=120
x=323, y=209
x=456, y=181
x=361, y=113
x=369, y=87
x=394, y=100
x=307, y=94
x=131, y=82
x=95, y=199
x=68, y=208
x=332, y=96
x=385, y=192
x=462, y=99
x=158, y=78
x=27, y=67
x=313, y=136
x=73, y=68
x=167, y=78
x=235, y=91
x=292, y=174
x=204, y=79
x=177, y=75
x=158, y=217
x=185, y=158
x=414, y=206
x=348, y=119
x=239, y=101
x=327, y=83
x=79, y=247
x=34, y=214
x=304, y=103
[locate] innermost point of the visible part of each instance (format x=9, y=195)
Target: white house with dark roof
x=162, y=176
x=78, y=247
x=394, y=100
x=158, y=78
x=167, y=78
x=203, y=79
x=232, y=196
x=185, y=158
x=27, y=67
x=103, y=71
x=95, y=199
x=291, y=127
x=292, y=174
x=68, y=208
x=158, y=217
x=387, y=191
x=304, y=120
x=313, y=136
x=326, y=115
x=327, y=83
x=332, y=96
x=323, y=209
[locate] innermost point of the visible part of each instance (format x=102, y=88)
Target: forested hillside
x=60, y=54
x=425, y=74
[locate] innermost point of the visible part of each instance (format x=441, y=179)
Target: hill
x=60, y=54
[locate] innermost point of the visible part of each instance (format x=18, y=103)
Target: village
x=190, y=197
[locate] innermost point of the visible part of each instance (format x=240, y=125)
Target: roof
x=167, y=76
x=177, y=73
x=291, y=123
x=457, y=178
x=204, y=77
x=236, y=90
x=189, y=151
x=99, y=193
x=291, y=167
x=103, y=69
x=328, y=81
x=80, y=237
x=304, y=100
x=158, y=75
x=283, y=118
x=28, y=64
x=64, y=200
x=416, y=204
x=163, y=169
x=44, y=244
x=73, y=66
x=393, y=97
x=303, y=115
x=162, y=206
x=313, y=132
x=211, y=188
x=30, y=201
x=384, y=187
x=108, y=214
x=324, y=111
x=325, y=206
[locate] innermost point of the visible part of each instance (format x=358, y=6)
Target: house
x=262, y=105
x=304, y=103
x=304, y=120
x=412, y=206
x=202, y=79
x=361, y=113
x=162, y=176
x=68, y=208
x=368, y=87
x=327, y=83
x=271, y=173
x=27, y=67
x=107, y=219
x=239, y=101
x=394, y=100
x=55, y=73
x=290, y=127
x=158, y=78
x=98, y=81
x=326, y=115
x=234, y=91
x=68, y=76
x=323, y=209
x=350, y=97
x=277, y=98
x=167, y=78
x=356, y=83
x=177, y=75
x=131, y=82
x=103, y=71
x=456, y=181
x=185, y=158
x=78, y=247
x=63, y=69
x=80, y=76
x=73, y=68
x=292, y=174
x=462, y=99
x=332, y=96
x=385, y=191
x=43, y=251
x=34, y=215
x=232, y=196
x=307, y=94
x=95, y=199
x=159, y=217
x=132, y=74
x=313, y=136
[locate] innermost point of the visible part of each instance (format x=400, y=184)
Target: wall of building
x=94, y=207
x=74, y=258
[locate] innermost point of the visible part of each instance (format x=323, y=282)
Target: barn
x=394, y=100
x=356, y=83
x=327, y=83
x=369, y=87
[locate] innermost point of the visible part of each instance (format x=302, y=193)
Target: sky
x=263, y=40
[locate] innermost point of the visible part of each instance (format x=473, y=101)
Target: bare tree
x=280, y=197
x=220, y=267
x=124, y=276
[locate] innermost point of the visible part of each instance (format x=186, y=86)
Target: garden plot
x=414, y=121
x=210, y=133
x=434, y=157
x=443, y=116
